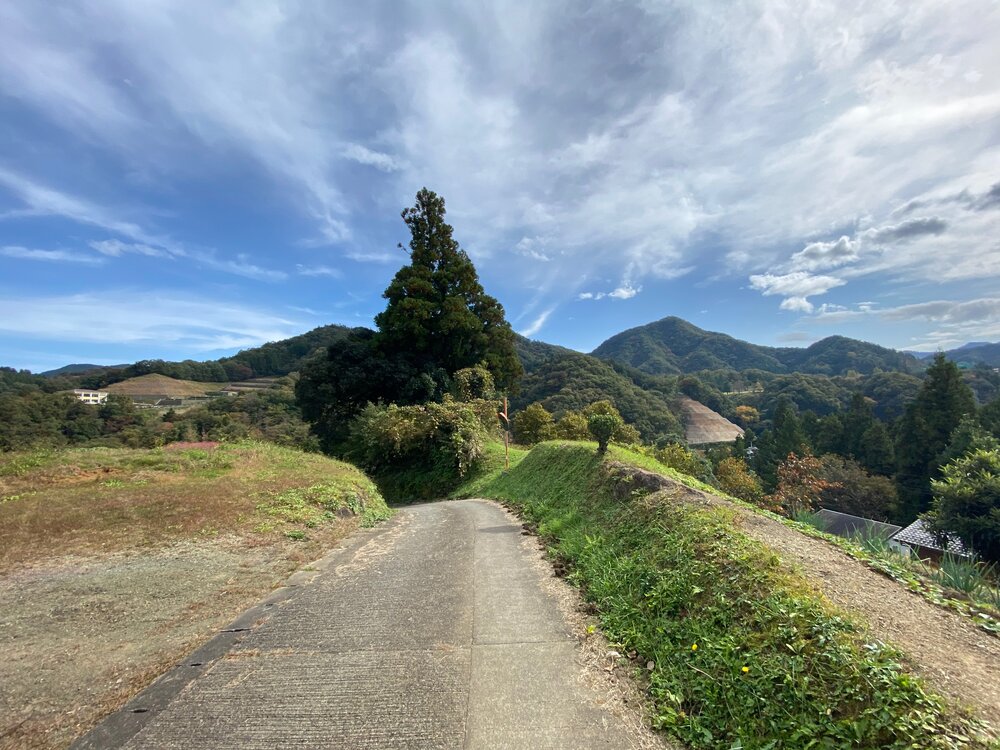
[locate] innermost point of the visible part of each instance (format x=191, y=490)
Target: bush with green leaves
x=602, y=427
x=686, y=461
x=967, y=502
x=420, y=451
x=737, y=479
x=533, y=424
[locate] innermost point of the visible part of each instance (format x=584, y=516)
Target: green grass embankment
x=744, y=653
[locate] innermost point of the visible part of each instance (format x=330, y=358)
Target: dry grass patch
x=114, y=563
x=89, y=500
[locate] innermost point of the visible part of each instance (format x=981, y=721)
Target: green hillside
x=572, y=381
x=987, y=354
x=276, y=358
x=675, y=346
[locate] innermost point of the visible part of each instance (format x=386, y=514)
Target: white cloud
x=645, y=135
x=817, y=256
x=365, y=256
x=625, y=291
x=319, y=271
x=117, y=248
x=51, y=256
x=537, y=323
x=795, y=287
x=955, y=321
x=377, y=159
x=797, y=304
x=149, y=318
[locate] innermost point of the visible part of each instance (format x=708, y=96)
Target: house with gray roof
x=926, y=545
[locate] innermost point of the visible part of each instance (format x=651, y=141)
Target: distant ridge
x=673, y=346
x=75, y=369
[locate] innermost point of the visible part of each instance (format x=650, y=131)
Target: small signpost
x=506, y=434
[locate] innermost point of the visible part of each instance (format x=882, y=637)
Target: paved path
x=436, y=630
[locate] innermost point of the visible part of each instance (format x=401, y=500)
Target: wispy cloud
x=954, y=321
x=50, y=256
x=537, y=324
x=129, y=316
x=335, y=273
x=43, y=200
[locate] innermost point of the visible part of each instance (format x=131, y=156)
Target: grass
x=744, y=653
x=89, y=500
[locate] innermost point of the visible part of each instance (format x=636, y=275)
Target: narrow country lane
x=436, y=630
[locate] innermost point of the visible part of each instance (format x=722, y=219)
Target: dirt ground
x=957, y=659
x=80, y=635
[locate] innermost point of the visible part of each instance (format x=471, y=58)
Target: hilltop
x=673, y=346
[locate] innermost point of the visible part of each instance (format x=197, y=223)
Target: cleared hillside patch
x=741, y=649
x=161, y=385
x=114, y=563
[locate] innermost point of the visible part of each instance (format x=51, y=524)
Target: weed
x=744, y=653
x=960, y=574
x=296, y=534
x=809, y=518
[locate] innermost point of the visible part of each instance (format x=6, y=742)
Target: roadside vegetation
x=739, y=651
x=101, y=500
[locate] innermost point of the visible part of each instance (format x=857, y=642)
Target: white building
x=91, y=397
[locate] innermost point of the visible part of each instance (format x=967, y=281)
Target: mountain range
x=671, y=346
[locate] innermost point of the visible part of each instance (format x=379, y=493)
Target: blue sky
x=182, y=180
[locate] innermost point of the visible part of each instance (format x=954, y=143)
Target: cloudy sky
x=184, y=179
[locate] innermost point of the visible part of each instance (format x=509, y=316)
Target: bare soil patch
x=115, y=563
x=82, y=635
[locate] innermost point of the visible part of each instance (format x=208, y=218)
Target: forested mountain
x=276, y=358
x=74, y=369
x=675, y=346
x=534, y=354
x=672, y=346
x=572, y=381
x=978, y=353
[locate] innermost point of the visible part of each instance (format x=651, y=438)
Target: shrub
x=800, y=484
x=676, y=456
x=572, y=426
x=440, y=442
x=602, y=427
x=737, y=479
x=533, y=424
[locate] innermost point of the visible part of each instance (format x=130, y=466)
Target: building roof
x=917, y=535
x=846, y=525
x=704, y=426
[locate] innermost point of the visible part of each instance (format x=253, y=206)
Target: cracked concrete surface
x=436, y=630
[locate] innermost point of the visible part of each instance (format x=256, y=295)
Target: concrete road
x=436, y=630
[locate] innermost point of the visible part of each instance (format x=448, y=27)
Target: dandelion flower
x=746, y=669
x=694, y=646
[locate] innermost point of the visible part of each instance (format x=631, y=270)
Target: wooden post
x=506, y=435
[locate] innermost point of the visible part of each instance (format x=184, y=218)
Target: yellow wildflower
x=694, y=646
x=746, y=669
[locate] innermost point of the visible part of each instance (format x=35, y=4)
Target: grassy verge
x=111, y=499
x=740, y=652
